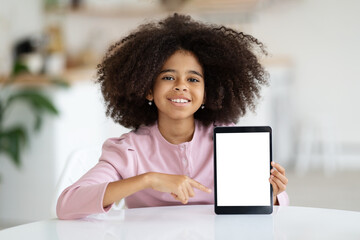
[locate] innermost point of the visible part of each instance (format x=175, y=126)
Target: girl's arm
x=118, y=190
x=180, y=187
x=85, y=196
x=102, y=185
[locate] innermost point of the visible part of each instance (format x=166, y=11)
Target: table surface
x=196, y=222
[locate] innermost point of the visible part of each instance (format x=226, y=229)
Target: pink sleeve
x=85, y=196
x=283, y=199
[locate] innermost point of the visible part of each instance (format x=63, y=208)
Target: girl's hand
x=278, y=180
x=180, y=186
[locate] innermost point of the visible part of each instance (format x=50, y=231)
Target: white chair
x=78, y=163
x=319, y=145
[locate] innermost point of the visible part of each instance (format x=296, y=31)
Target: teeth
x=180, y=100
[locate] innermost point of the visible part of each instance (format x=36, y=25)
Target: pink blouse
x=137, y=152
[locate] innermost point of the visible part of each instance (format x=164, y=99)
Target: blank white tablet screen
x=243, y=169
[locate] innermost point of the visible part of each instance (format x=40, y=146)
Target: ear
x=150, y=96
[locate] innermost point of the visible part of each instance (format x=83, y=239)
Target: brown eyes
x=193, y=80
x=168, y=78
x=171, y=79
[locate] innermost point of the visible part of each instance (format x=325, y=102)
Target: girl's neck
x=177, y=131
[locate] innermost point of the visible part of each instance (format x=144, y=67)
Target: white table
x=196, y=222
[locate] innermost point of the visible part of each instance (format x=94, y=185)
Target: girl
x=171, y=82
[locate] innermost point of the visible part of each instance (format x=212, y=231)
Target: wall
x=321, y=37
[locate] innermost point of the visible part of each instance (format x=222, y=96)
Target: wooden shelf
x=156, y=8
x=70, y=76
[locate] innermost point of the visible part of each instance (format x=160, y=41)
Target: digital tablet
x=242, y=164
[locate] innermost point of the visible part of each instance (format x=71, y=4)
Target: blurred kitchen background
x=311, y=103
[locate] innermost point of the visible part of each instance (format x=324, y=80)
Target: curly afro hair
x=232, y=72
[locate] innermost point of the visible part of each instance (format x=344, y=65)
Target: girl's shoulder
x=207, y=130
x=211, y=127
x=221, y=124
x=123, y=151
x=127, y=141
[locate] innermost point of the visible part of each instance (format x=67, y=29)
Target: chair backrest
x=78, y=163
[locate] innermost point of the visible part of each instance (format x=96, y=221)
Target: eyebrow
x=173, y=71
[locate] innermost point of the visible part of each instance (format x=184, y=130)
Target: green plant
x=14, y=138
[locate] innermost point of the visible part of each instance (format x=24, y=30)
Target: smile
x=178, y=100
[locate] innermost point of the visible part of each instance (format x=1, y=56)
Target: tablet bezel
x=242, y=209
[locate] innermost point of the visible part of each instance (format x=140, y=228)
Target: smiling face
x=179, y=89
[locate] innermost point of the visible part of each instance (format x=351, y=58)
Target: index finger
x=278, y=167
x=199, y=186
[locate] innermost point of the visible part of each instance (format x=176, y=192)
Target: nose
x=180, y=89
x=180, y=86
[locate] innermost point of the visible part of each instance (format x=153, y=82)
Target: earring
x=150, y=103
x=202, y=106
